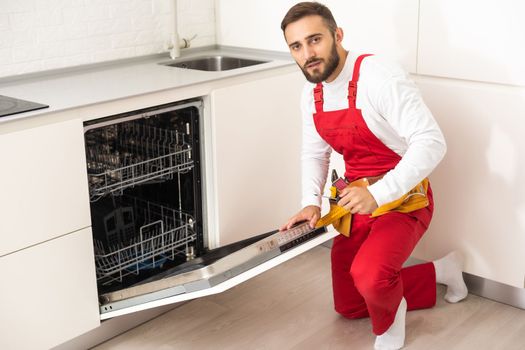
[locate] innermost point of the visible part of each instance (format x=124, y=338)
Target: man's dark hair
x=309, y=8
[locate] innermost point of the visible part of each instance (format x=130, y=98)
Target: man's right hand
x=311, y=213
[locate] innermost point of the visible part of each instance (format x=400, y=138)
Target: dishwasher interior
x=144, y=174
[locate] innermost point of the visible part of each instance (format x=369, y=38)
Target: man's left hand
x=358, y=200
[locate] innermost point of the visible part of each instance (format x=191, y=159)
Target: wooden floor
x=290, y=307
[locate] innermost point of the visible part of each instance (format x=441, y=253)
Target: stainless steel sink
x=213, y=63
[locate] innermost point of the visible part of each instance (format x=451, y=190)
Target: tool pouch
x=415, y=199
x=341, y=219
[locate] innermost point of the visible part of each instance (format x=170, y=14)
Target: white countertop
x=72, y=88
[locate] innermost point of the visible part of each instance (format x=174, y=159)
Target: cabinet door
x=48, y=294
x=473, y=40
x=256, y=141
x=43, y=184
x=478, y=188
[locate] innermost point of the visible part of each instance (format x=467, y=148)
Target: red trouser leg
x=367, y=274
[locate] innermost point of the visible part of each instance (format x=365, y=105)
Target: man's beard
x=331, y=65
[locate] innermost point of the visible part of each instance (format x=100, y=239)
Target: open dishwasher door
x=215, y=272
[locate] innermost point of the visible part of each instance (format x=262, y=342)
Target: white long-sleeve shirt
x=393, y=110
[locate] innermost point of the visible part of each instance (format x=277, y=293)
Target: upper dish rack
x=124, y=155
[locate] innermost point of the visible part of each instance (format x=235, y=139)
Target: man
x=368, y=110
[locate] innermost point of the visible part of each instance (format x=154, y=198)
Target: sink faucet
x=177, y=43
x=183, y=44
x=175, y=48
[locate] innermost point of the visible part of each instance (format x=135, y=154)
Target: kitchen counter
x=71, y=88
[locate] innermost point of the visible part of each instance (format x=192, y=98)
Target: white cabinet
x=43, y=184
x=472, y=39
x=478, y=188
x=256, y=141
x=48, y=293
x=386, y=27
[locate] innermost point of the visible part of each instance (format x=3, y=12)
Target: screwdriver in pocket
x=336, y=199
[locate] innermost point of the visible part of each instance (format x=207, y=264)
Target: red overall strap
x=352, y=85
x=318, y=97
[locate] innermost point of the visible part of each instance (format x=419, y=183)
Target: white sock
x=394, y=337
x=449, y=272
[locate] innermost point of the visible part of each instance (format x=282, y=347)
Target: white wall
x=41, y=35
x=387, y=27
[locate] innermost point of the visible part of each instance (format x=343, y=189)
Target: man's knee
x=373, y=280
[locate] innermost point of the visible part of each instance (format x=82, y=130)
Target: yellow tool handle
x=335, y=213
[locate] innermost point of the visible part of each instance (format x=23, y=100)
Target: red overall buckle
x=352, y=89
x=352, y=92
x=318, y=95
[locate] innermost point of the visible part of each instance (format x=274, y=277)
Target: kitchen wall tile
x=12, y=6
x=52, y=4
x=41, y=35
x=73, y=15
x=6, y=40
x=100, y=27
x=51, y=50
x=27, y=67
x=74, y=48
x=146, y=49
x=25, y=54
x=4, y=22
x=123, y=40
x=22, y=20
x=22, y=38
x=144, y=37
x=52, y=63
x=49, y=18
x=6, y=56
x=162, y=7
x=98, y=12
x=52, y=34
x=184, y=5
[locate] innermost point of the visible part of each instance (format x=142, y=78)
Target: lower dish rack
x=140, y=235
x=124, y=155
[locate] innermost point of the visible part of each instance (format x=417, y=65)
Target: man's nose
x=308, y=53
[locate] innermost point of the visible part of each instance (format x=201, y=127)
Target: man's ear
x=339, y=35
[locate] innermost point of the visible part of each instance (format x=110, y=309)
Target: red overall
x=367, y=274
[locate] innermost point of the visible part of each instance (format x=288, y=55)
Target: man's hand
x=311, y=213
x=358, y=200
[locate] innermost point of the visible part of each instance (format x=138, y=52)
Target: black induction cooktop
x=10, y=106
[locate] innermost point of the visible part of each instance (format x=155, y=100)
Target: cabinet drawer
x=49, y=293
x=43, y=184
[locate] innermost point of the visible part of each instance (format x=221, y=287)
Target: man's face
x=313, y=47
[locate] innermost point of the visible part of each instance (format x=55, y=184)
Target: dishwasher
x=145, y=173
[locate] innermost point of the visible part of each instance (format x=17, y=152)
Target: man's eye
x=295, y=47
x=315, y=40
